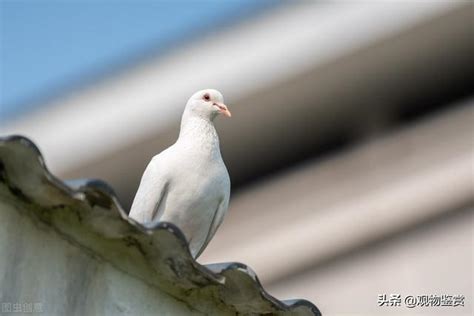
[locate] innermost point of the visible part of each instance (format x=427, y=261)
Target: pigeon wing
x=216, y=222
x=151, y=193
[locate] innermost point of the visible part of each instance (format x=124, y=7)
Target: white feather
x=187, y=184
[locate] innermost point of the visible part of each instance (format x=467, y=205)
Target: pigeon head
x=207, y=104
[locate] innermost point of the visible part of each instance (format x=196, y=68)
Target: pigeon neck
x=198, y=131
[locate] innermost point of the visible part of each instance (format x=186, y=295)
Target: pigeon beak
x=223, y=109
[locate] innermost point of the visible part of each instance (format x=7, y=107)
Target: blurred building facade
x=350, y=148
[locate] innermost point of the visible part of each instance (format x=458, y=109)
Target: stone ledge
x=87, y=215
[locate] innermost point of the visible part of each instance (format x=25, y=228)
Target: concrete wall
x=40, y=267
x=70, y=249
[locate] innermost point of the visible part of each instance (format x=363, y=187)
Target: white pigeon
x=188, y=184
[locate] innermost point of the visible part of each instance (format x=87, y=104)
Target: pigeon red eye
x=206, y=97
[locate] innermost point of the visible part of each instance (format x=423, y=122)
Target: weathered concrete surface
x=73, y=249
x=37, y=266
